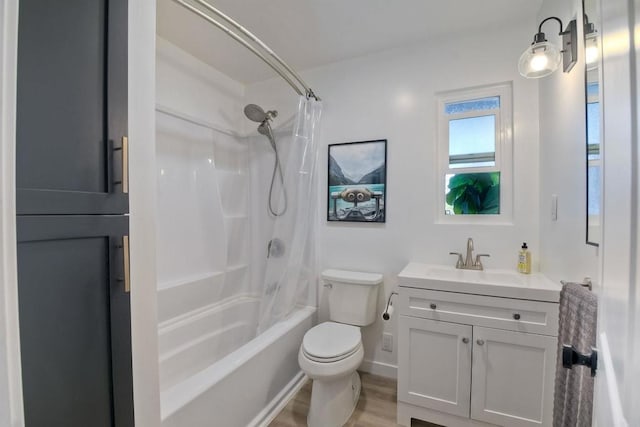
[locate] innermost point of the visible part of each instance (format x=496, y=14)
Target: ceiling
x=310, y=33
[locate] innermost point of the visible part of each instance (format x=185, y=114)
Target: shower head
x=257, y=114
x=265, y=129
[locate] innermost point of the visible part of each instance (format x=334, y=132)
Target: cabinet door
x=513, y=375
x=434, y=364
x=71, y=116
x=75, y=333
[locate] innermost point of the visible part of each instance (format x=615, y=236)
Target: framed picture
x=357, y=184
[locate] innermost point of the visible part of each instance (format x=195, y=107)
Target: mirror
x=593, y=61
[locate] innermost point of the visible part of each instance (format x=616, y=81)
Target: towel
x=573, y=398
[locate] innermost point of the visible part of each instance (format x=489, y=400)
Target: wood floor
x=376, y=407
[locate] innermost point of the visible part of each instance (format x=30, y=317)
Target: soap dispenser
x=524, y=259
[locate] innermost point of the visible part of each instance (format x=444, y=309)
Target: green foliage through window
x=473, y=193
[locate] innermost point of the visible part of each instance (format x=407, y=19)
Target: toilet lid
x=329, y=340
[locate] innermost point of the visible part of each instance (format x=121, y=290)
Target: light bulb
x=591, y=54
x=539, y=62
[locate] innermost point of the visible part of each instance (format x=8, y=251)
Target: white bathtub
x=190, y=343
x=243, y=387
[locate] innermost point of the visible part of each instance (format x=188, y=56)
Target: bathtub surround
x=221, y=287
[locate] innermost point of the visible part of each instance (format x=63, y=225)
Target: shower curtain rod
x=308, y=92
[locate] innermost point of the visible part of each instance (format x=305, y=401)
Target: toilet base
x=333, y=401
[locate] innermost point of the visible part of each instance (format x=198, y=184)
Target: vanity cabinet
x=435, y=365
x=475, y=360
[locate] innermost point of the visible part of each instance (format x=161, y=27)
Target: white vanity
x=476, y=348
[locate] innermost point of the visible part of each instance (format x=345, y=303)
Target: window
x=475, y=155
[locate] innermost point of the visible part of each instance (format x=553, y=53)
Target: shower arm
x=308, y=92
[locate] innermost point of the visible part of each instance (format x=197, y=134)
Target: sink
x=496, y=277
x=492, y=282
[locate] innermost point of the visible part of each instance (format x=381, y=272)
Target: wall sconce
x=543, y=58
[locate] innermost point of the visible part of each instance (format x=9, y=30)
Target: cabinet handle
x=516, y=316
x=126, y=267
x=125, y=164
x=480, y=342
x=465, y=340
x=433, y=306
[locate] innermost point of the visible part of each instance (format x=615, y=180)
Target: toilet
x=332, y=351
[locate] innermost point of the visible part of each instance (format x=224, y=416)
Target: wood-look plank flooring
x=376, y=407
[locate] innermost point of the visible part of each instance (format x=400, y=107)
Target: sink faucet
x=468, y=263
x=469, y=259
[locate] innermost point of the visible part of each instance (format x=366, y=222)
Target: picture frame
x=357, y=181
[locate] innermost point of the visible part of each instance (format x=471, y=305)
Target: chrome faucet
x=468, y=263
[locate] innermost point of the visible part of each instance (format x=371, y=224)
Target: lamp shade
x=539, y=60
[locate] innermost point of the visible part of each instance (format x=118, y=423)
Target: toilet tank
x=353, y=296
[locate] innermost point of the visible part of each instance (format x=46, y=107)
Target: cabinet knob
x=433, y=306
x=465, y=340
x=516, y=316
x=480, y=342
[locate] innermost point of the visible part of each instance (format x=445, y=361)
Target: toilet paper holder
x=388, y=311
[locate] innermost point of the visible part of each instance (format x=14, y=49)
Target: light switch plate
x=387, y=341
x=554, y=207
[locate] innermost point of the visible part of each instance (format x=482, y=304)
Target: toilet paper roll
x=388, y=313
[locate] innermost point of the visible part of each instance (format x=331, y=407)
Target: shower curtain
x=290, y=274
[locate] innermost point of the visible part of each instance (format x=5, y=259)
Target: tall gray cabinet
x=72, y=205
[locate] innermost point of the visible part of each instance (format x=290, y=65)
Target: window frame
x=503, y=150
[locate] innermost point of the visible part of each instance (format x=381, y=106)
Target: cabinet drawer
x=493, y=312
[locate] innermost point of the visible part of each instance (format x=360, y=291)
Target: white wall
x=11, y=413
x=142, y=207
x=617, y=383
x=392, y=95
x=562, y=161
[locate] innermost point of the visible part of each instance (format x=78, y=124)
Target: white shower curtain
x=290, y=276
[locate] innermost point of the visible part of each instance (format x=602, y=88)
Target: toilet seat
x=329, y=359
x=330, y=342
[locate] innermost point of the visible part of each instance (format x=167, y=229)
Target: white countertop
x=491, y=282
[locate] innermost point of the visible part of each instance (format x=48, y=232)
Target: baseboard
x=379, y=368
x=271, y=411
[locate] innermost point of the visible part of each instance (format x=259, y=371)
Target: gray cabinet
x=71, y=197
x=74, y=321
x=71, y=107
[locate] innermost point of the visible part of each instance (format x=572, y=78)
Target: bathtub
x=244, y=387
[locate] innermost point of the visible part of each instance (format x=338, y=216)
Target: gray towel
x=573, y=399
